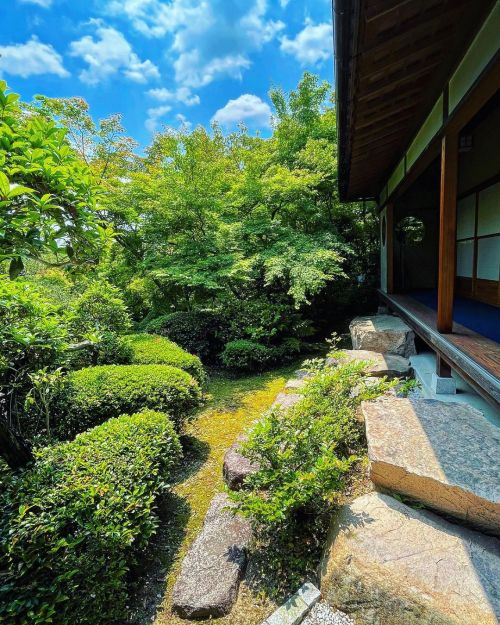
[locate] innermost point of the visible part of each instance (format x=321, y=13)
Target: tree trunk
x=13, y=448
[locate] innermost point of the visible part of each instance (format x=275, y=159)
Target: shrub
x=196, y=331
x=147, y=349
x=75, y=523
x=100, y=309
x=305, y=456
x=246, y=355
x=92, y=395
x=108, y=349
x=31, y=337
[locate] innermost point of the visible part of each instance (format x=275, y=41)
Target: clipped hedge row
x=95, y=394
x=74, y=523
x=149, y=349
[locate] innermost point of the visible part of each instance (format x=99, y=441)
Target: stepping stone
x=388, y=564
x=380, y=365
x=236, y=466
x=385, y=334
x=295, y=383
x=286, y=400
x=211, y=572
x=303, y=374
x=443, y=454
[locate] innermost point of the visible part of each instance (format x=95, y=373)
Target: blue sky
x=165, y=61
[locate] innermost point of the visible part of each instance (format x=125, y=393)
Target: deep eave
x=393, y=58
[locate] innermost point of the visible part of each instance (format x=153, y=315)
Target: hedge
x=92, y=395
x=246, y=355
x=151, y=349
x=197, y=331
x=75, y=523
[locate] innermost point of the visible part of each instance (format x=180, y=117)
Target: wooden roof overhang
x=393, y=58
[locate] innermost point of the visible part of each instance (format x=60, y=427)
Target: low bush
x=108, y=349
x=95, y=394
x=147, y=349
x=100, y=308
x=305, y=456
x=75, y=523
x=244, y=355
x=197, y=331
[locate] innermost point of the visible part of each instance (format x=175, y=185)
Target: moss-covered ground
x=233, y=405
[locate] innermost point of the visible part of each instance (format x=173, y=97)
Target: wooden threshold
x=474, y=357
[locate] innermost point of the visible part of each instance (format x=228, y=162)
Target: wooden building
x=418, y=106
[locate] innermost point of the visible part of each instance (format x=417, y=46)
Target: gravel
x=323, y=614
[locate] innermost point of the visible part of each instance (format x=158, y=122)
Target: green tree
x=47, y=195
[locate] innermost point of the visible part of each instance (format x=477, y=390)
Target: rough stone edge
x=301, y=602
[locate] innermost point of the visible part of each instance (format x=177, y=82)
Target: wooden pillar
x=390, y=247
x=447, y=232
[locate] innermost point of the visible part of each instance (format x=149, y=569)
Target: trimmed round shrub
x=246, y=355
x=111, y=349
x=95, y=394
x=197, y=331
x=75, y=522
x=149, y=349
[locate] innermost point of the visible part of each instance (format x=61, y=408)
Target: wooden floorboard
x=476, y=357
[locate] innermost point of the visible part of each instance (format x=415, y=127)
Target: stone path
x=208, y=583
x=380, y=365
x=387, y=563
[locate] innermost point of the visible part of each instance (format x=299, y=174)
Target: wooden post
x=390, y=247
x=447, y=232
x=443, y=369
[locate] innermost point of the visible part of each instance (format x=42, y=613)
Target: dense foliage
x=74, y=523
x=197, y=331
x=94, y=394
x=305, y=455
x=47, y=194
x=147, y=349
x=244, y=355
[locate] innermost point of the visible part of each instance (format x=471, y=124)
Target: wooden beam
x=390, y=247
x=447, y=232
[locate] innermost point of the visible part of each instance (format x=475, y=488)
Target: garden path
x=233, y=405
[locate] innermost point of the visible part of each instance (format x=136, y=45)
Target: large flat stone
x=385, y=334
x=286, y=400
x=236, y=466
x=388, y=564
x=444, y=454
x=211, y=572
x=379, y=365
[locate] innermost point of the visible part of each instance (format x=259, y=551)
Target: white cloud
x=108, y=54
x=312, y=46
x=42, y=3
x=30, y=58
x=284, y=3
x=153, y=120
x=210, y=38
x=247, y=108
x=184, y=123
x=181, y=94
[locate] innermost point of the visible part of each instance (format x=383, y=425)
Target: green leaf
x=15, y=267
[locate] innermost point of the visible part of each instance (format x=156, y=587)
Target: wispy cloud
x=45, y=4
x=181, y=94
x=152, y=122
x=210, y=39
